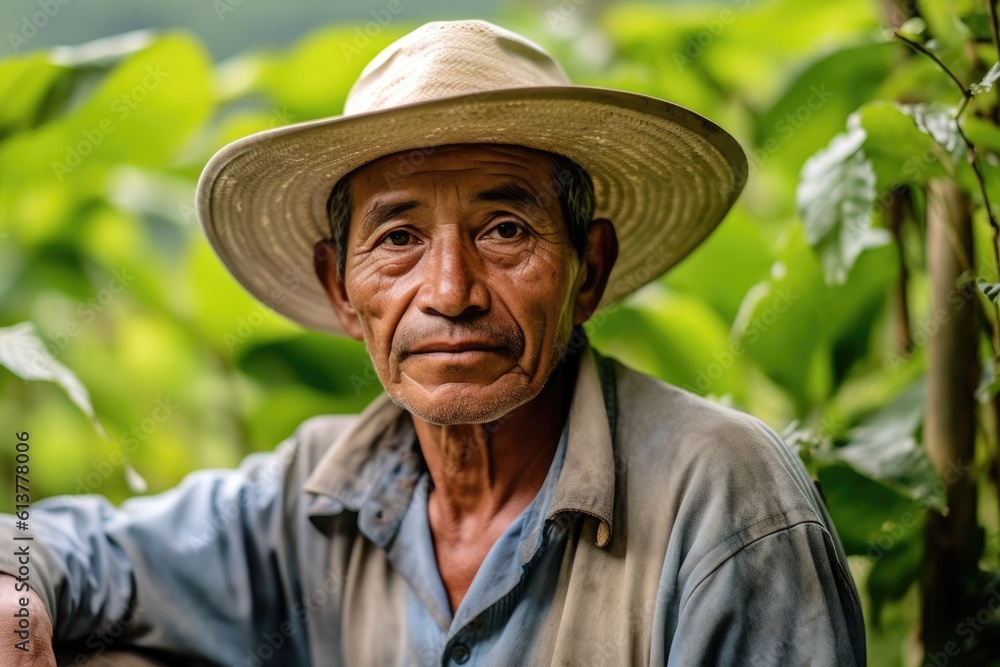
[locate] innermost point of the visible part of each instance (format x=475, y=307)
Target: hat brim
x=664, y=175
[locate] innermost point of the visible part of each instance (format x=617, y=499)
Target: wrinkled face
x=461, y=278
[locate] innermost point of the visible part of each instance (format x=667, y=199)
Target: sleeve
x=782, y=599
x=200, y=569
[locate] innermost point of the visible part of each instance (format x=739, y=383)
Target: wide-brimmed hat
x=664, y=175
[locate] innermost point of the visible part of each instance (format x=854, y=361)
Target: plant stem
x=992, y=10
x=993, y=225
x=966, y=96
x=921, y=49
x=961, y=107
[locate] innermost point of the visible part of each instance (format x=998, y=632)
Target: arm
x=27, y=643
x=782, y=599
x=195, y=570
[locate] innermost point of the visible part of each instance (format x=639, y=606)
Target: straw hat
x=664, y=175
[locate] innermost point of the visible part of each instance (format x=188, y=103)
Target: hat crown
x=449, y=58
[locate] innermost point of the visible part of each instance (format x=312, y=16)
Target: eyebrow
x=380, y=213
x=511, y=193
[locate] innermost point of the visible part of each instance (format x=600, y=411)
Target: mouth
x=465, y=350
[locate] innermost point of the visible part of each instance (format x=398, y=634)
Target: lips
x=456, y=347
x=465, y=342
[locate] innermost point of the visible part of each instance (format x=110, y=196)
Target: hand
x=36, y=637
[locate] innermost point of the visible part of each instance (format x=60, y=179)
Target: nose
x=452, y=285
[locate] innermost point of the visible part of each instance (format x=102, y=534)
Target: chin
x=455, y=403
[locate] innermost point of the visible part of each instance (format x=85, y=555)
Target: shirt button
x=460, y=653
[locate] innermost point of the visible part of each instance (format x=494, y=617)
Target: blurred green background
x=101, y=144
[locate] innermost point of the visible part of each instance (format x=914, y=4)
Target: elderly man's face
x=461, y=278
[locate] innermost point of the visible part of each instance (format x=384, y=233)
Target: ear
x=602, y=251
x=325, y=260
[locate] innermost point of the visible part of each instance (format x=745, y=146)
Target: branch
x=992, y=10
x=966, y=96
x=919, y=48
x=993, y=224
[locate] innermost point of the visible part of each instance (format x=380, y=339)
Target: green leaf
x=780, y=328
x=938, y=121
x=673, y=336
x=989, y=383
x=804, y=333
x=835, y=197
x=991, y=290
x=860, y=507
x=332, y=365
x=146, y=107
x=23, y=353
x=986, y=85
x=898, y=552
x=104, y=53
x=294, y=82
x=951, y=35
x=982, y=133
x=817, y=103
x=738, y=243
x=899, y=150
x=25, y=85
x=884, y=448
x=913, y=27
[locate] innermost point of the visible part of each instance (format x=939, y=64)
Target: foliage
x=786, y=311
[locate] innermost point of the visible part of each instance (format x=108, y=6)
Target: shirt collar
x=380, y=445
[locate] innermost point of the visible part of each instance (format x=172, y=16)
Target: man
x=515, y=498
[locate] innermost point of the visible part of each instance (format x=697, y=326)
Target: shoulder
x=270, y=479
x=661, y=421
x=716, y=471
x=316, y=435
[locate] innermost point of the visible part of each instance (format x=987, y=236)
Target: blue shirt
x=514, y=569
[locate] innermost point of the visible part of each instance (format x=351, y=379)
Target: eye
x=508, y=230
x=398, y=237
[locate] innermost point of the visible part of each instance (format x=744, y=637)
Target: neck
x=482, y=471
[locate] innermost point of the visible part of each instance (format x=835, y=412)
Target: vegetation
x=850, y=299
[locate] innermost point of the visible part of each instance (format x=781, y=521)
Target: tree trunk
x=950, y=561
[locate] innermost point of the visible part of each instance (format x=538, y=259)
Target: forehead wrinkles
x=392, y=170
x=382, y=180
x=462, y=190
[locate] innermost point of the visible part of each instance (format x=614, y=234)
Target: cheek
x=540, y=297
x=379, y=305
